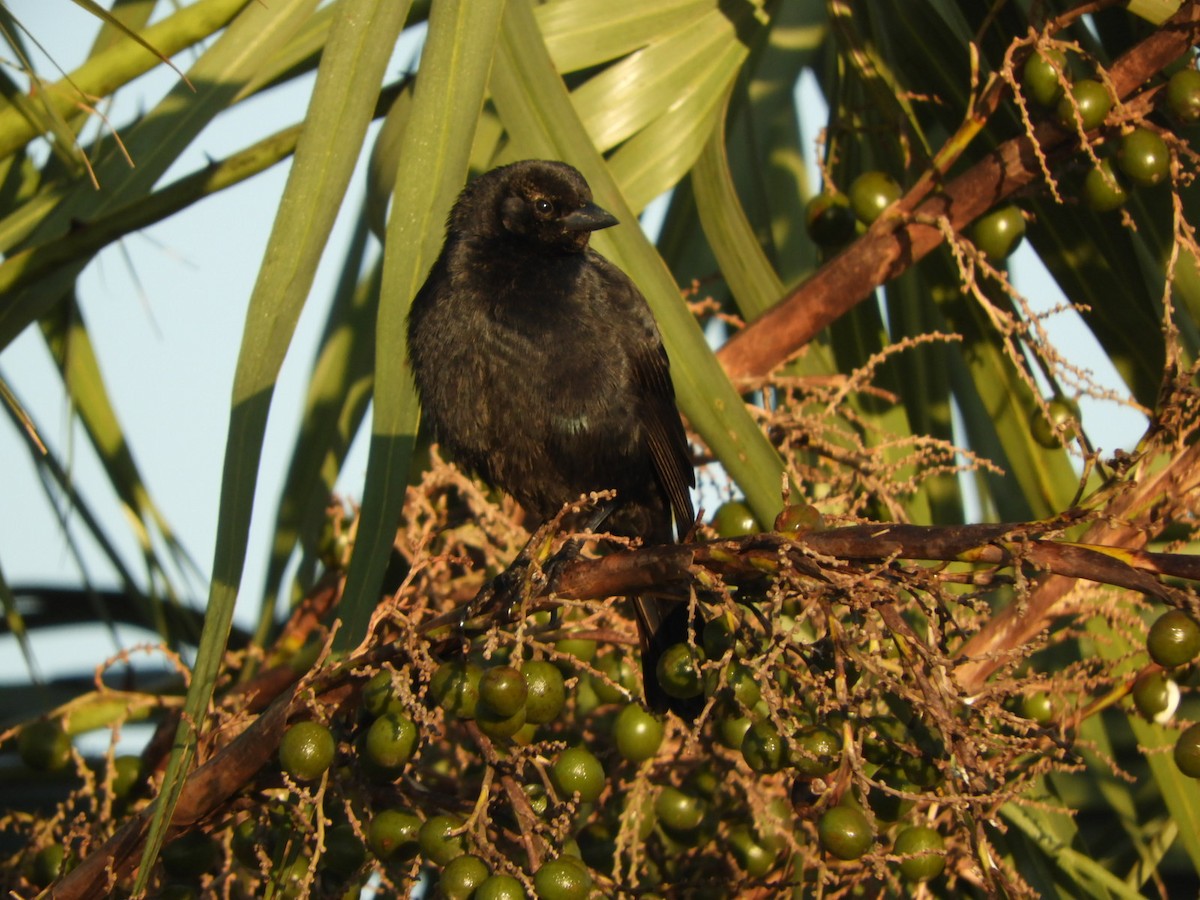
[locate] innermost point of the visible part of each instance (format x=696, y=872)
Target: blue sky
x=177, y=292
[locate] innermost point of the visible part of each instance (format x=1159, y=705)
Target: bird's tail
x=662, y=623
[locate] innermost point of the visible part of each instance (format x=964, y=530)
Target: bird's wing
x=651, y=376
x=665, y=434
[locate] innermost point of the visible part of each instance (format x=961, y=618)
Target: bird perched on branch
x=540, y=367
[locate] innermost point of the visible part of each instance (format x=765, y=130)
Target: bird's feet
x=528, y=576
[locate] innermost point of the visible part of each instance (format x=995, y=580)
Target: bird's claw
x=501, y=597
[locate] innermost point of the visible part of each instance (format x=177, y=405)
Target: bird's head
x=547, y=204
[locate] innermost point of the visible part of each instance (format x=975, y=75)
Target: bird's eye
x=543, y=207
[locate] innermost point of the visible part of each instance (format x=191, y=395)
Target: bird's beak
x=588, y=217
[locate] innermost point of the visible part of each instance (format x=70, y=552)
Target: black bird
x=540, y=367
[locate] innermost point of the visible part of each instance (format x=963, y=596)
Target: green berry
x=127, y=772
x=344, y=851
x=638, y=734
x=921, y=770
x=1183, y=96
x=763, y=748
x=755, y=860
x=732, y=730
x=393, y=834
x=47, y=864
x=678, y=810
x=1088, y=105
x=772, y=829
x=744, y=684
x=1103, y=190
x=1144, y=157
x=545, y=692
x=378, y=695
x=718, y=636
x=1187, y=752
x=391, y=740
x=307, y=750
x=998, y=233
x=886, y=806
x=1040, y=706
x=880, y=736
x=926, y=849
x=621, y=671
x=565, y=878
x=799, y=518
x=577, y=771
x=815, y=751
x=462, y=877
x=245, y=842
x=499, y=887
x=499, y=727
x=735, y=519
x=1039, y=77
x=1063, y=421
x=586, y=698
x=871, y=193
x=503, y=690
x=455, y=687
x=704, y=781
x=1156, y=697
x=678, y=671
x=1174, y=639
x=437, y=842
x=845, y=832
x=829, y=219
x=291, y=882
x=582, y=649
x=539, y=799
x=44, y=745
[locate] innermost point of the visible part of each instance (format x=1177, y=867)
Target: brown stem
x=1019, y=623
x=752, y=558
x=205, y=789
x=896, y=242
